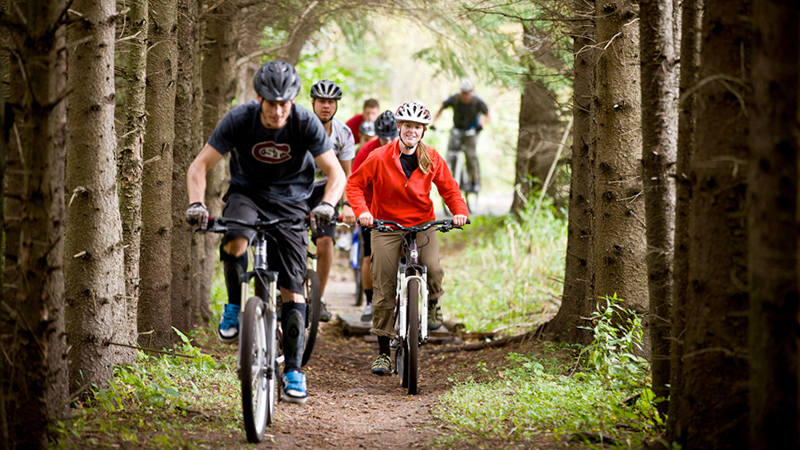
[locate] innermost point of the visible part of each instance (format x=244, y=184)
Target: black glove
x=197, y=214
x=321, y=215
x=432, y=128
x=478, y=128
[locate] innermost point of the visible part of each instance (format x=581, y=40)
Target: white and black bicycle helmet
x=466, y=85
x=326, y=89
x=367, y=128
x=413, y=112
x=386, y=126
x=277, y=81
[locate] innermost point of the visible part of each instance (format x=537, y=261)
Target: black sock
x=368, y=293
x=234, y=268
x=383, y=346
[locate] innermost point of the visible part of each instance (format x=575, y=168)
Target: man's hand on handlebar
x=197, y=214
x=321, y=214
x=365, y=220
x=348, y=216
x=459, y=220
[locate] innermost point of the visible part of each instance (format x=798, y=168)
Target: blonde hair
x=424, y=158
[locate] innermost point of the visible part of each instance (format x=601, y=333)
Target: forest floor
x=351, y=408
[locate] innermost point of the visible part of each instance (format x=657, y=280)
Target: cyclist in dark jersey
x=273, y=145
x=470, y=114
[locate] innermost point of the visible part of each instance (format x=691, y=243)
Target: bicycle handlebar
x=219, y=224
x=441, y=225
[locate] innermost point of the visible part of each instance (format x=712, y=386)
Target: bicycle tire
x=312, y=290
x=413, y=334
x=357, y=271
x=257, y=403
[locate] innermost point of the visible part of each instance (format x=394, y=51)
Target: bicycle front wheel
x=312, y=290
x=412, y=341
x=258, y=389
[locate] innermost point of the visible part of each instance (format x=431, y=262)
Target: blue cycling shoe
x=229, y=325
x=295, y=387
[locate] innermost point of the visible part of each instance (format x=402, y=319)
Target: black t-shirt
x=465, y=115
x=409, y=163
x=275, y=164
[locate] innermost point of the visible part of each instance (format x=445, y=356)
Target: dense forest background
x=679, y=174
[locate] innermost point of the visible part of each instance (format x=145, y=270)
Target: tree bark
x=219, y=88
x=691, y=25
x=714, y=407
x=577, y=300
x=539, y=130
x=185, y=149
x=772, y=227
x=154, y=303
x=619, y=220
x=659, y=154
x=95, y=286
x=33, y=374
x=132, y=144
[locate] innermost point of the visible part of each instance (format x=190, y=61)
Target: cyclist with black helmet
x=402, y=175
x=386, y=129
x=470, y=114
x=325, y=96
x=273, y=144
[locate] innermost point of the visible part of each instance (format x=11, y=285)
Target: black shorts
x=324, y=230
x=365, y=238
x=287, y=249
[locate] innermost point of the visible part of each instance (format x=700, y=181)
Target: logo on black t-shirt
x=272, y=152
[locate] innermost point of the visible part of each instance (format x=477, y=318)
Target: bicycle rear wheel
x=258, y=386
x=412, y=341
x=312, y=290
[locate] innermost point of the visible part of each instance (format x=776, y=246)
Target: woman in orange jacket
x=402, y=174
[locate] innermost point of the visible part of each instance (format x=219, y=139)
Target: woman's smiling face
x=411, y=132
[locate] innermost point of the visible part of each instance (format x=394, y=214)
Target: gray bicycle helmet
x=367, y=128
x=326, y=89
x=277, y=81
x=386, y=126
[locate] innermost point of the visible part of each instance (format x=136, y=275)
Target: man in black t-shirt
x=273, y=145
x=470, y=114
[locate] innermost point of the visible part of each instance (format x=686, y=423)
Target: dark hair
x=371, y=103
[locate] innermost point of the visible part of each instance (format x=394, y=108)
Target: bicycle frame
x=406, y=272
x=267, y=293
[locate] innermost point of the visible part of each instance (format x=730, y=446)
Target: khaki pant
x=386, y=251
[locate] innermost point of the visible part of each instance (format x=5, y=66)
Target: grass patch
x=504, y=274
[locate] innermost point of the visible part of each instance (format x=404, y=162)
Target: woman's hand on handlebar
x=365, y=220
x=459, y=220
x=348, y=216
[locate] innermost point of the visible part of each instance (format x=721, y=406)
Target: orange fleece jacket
x=406, y=201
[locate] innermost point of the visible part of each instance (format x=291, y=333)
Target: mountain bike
x=260, y=336
x=458, y=168
x=411, y=311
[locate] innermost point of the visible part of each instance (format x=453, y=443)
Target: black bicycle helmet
x=386, y=126
x=326, y=89
x=277, y=81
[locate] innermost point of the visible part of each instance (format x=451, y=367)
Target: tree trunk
x=577, y=300
x=96, y=310
x=219, y=87
x=539, y=131
x=132, y=143
x=154, y=303
x=691, y=25
x=619, y=228
x=659, y=154
x=185, y=149
x=33, y=374
x=772, y=226
x=713, y=396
